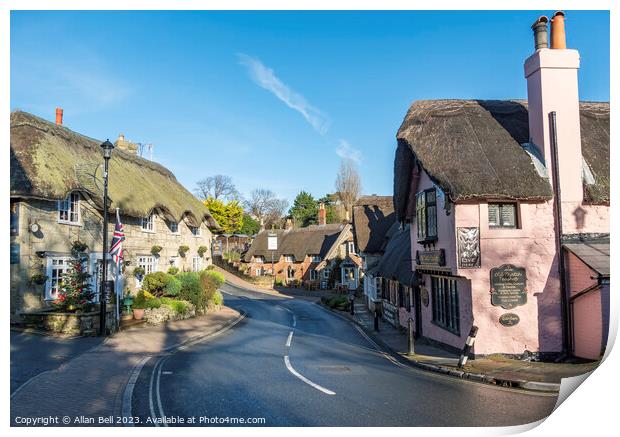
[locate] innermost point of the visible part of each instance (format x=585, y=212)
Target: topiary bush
x=191, y=290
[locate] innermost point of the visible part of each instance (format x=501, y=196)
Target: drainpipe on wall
x=557, y=200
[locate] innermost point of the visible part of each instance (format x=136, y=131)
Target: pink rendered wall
x=532, y=247
x=579, y=274
x=446, y=240
x=587, y=325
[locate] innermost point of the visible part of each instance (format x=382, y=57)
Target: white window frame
x=196, y=263
x=351, y=247
x=289, y=258
x=326, y=273
x=148, y=263
x=316, y=258
x=50, y=293
x=314, y=274
x=70, y=206
x=148, y=223
x=500, y=216
x=259, y=259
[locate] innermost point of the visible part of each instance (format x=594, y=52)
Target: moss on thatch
x=49, y=161
x=473, y=149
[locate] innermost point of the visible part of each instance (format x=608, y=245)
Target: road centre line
x=288, y=340
x=287, y=362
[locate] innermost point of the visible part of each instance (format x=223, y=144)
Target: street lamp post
x=107, y=147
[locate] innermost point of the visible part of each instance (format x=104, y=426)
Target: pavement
x=497, y=369
x=90, y=379
x=291, y=362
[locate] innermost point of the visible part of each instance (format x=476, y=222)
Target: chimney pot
x=558, y=33
x=59, y=116
x=540, y=33
x=322, y=214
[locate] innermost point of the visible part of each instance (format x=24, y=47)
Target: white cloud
x=346, y=151
x=266, y=78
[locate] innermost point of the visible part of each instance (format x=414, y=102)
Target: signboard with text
x=436, y=258
x=272, y=242
x=508, y=286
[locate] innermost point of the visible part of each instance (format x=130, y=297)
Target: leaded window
x=69, y=209
x=502, y=215
x=426, y=215
x=446, y=303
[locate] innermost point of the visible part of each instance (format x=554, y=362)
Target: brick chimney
x=322, y=214
x=59, y=116
x=552, y=86
x=125, y=145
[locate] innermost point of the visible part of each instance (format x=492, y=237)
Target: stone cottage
x=56, y=201
x=495, y=192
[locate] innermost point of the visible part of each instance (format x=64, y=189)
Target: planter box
x=85, y=323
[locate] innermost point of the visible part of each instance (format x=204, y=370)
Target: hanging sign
x=435, y=258
x=508, y=286
x=468, y=247
x=272, y=242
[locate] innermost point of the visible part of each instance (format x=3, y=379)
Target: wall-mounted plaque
x=435, y=258
x=424, y=296
x=508, y=286
x=509, y=319
x=469, y=247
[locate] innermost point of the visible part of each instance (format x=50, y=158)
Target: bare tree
x=348, y=185
x=216, y=187
x=265, y=206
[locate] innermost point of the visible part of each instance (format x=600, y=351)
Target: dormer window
x=148, y=223
x=69, y=209
x=316, y=258
x=259, y=259
x=351, y=247
x=426, y=215
x=289, y=258
x=195, y=230
x=174, y=227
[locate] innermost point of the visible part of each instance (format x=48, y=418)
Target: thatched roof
x=396, y=262
x=311, y=240
x=49, y=161
x=372, y=217
x=473, y=149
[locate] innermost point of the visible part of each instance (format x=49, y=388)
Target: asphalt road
x=32, y=354
x=326, y=373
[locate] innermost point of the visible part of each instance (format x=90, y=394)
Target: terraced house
x=508, y=205
x=56, y=203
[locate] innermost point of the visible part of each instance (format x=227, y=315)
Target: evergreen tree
x=304, y=209
x=75, y=290
x=249, y=225
x=228, y=215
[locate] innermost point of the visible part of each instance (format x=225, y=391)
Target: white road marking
x=304, y=379
x=288, y=340
x=294, y=321
x=166, y=372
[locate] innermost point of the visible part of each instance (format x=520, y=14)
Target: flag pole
x=116, y=283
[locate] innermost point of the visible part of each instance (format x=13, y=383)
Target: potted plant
x=155, y=250
x=183, y=250
x=138, y=306
x=202, y=250
x=39, y=278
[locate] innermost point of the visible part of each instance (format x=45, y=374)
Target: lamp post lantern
x=106, y=147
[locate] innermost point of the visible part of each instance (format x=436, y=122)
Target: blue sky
x=274, y=99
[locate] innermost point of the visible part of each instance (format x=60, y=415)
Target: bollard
x=376, y=320
x=411, y=349
x=352, y=301
x=469, y=343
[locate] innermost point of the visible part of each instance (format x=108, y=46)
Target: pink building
x=493, y=190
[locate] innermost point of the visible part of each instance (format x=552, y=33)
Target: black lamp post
x=107, y=147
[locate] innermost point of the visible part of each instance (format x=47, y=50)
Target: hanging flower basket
x=183, y=250
x=202, y=250
x=138, y=272
x=78, y=247
x=155, y=250
x=39, y=278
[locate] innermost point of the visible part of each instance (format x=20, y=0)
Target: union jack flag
x=116, y=248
